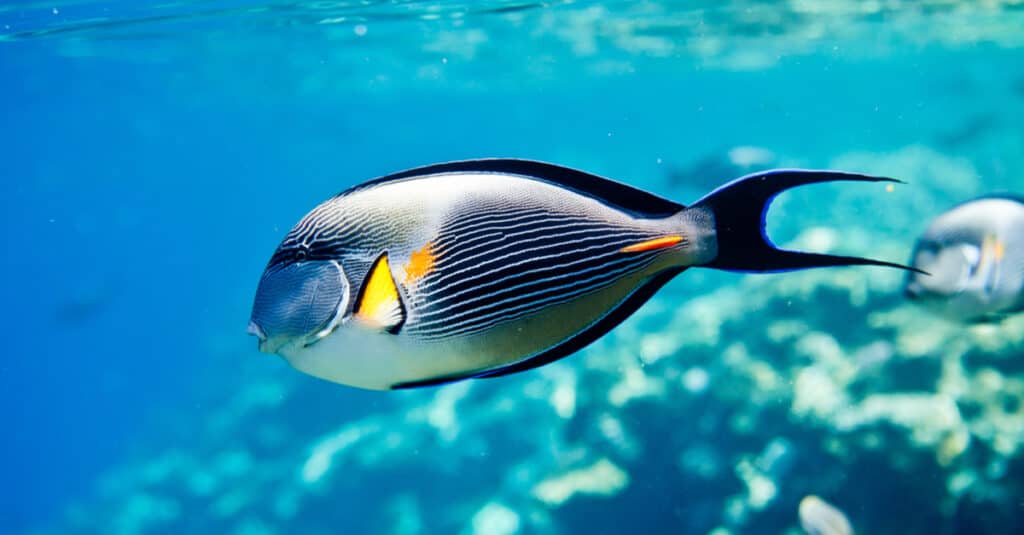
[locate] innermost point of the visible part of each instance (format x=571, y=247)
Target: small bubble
x=55, y=11
x=444, y=60
x=890, y=188
x=359, y=29
x=52, y=220
x=609, y=134
x=659, y=161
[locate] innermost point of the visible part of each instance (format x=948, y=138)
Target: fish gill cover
x=154, y=153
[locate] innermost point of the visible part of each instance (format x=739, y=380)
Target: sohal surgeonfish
x=974, y=257
x=483, y=268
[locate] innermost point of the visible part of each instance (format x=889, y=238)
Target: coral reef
x=716, y=409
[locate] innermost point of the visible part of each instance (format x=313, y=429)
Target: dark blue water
x=151, y=166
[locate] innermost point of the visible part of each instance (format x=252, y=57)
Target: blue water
x=153, y=156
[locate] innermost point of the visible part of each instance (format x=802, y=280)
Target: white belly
x=357, y=356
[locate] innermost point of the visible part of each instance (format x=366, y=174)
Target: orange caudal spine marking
x=651, y=245
x=421, y=263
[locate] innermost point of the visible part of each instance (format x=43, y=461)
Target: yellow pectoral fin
x=379, y=303
x=655, y=244
x=992, y=251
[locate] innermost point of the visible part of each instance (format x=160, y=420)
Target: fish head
x=973, y=253
x=959, y=279
x=302, y=297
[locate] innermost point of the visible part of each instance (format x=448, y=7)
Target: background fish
x=818, y=517
x=974, y=256
x=482, y=268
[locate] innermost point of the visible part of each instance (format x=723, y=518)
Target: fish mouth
x=298, y=302
x=254, y=330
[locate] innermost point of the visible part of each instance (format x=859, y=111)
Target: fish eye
x=301, y=254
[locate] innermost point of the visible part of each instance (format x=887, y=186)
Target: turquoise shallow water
x=154, y=153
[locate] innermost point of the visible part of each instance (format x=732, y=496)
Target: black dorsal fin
x=636, y=201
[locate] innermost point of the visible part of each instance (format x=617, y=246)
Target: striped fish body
x=490, y=269
x=473, y=269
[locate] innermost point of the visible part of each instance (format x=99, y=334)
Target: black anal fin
x=600, y=328
x=436, y=381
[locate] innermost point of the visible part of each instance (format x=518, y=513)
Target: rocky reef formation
x=716, y=409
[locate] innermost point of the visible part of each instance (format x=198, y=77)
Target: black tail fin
x=739, y=208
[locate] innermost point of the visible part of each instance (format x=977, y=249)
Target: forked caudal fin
x=740, y=207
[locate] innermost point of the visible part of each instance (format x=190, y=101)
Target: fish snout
x=298, y=301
